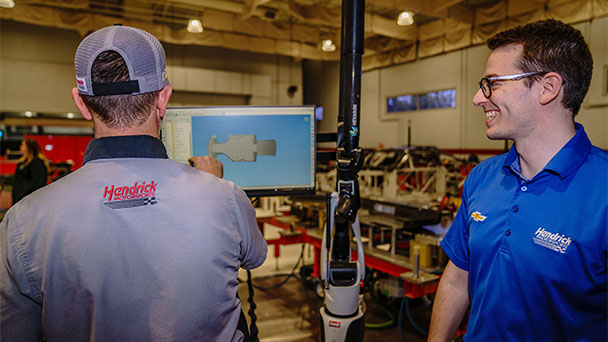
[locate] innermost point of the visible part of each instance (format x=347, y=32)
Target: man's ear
x=163, y=100
x=84, y=110
x=551, y=85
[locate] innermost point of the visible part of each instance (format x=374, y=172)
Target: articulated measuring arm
x=342, y=316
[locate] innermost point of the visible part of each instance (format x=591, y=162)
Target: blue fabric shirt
x=536, y=250
x=130, y=247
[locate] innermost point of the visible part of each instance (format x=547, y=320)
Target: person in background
x=132, y=246
x=32, y=170
x=528, y=248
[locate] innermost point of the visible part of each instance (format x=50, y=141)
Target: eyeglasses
x=486, y=83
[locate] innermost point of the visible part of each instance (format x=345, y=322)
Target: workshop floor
x=290, y=312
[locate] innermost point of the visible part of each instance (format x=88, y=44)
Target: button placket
x=514, y=209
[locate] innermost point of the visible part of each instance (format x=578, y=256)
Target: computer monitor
x=267, y=151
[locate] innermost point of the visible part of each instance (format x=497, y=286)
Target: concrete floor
x=290, y=312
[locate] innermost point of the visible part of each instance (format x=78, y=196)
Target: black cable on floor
x=400, y=318
x=253, y=329
x=406, y=303
x=291, y=274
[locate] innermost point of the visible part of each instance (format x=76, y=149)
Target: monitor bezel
x=272, y=191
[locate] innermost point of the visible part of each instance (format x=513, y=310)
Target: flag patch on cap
x=81, y=84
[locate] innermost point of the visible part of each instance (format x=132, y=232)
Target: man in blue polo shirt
x=528, y=247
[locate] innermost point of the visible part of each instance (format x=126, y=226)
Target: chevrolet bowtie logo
x=478, y=217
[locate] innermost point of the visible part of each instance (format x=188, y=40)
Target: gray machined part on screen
x=243, y=147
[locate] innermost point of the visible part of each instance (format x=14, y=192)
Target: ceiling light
x=70, y=115
x=195, y=26
x=29, y=114
x=7, y=3
x=328, y=46
x=405, y=18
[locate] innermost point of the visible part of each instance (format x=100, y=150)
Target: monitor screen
x=265, y=150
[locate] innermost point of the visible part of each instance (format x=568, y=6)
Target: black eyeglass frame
x=487, y=81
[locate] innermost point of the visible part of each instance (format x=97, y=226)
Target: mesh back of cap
x=142, y=52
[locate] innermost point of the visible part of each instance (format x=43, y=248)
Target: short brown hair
x=117, y=111
x=551, y=45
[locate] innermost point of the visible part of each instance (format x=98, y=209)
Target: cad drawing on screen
x=242, y=148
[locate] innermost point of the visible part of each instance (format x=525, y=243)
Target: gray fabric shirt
x=130, y=247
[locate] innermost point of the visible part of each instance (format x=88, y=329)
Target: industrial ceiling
x=296, y=27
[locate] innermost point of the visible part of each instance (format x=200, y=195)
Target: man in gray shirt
x=132, y=246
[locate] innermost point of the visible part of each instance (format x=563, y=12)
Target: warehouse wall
x=36, y=68
x=322, y=85
x=463, y=126
x=37, y=73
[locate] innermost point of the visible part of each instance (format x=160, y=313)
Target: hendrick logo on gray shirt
x=119, y=197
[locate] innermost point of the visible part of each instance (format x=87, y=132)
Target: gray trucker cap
x=142, y=52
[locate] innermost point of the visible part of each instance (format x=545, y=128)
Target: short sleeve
x=456, y=241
